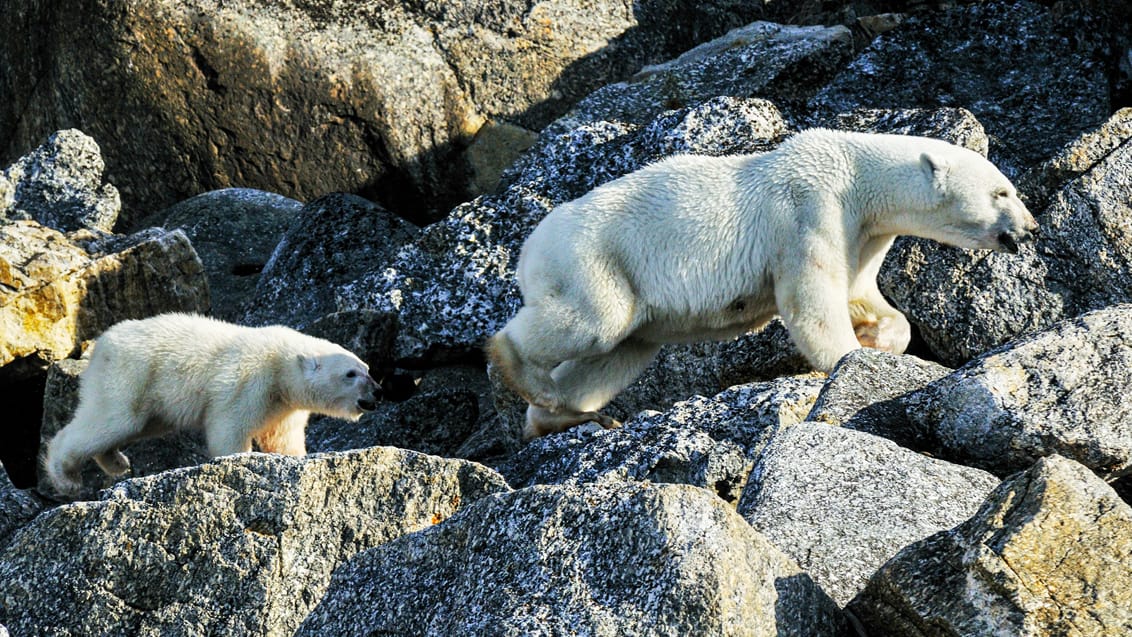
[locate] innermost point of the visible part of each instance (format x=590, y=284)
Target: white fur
x=695, y=248
x=181, y=371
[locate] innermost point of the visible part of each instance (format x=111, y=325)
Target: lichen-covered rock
x=1061, y=391
x=55, y=294
x=843, y=502
x=60, y=185
x=1047, y=554
x=244, y=545
x=17, y=508
x=1032, y=76
x=706, y=442
x=455, y=285
x=611, y=559
x=865, y=392
x=305, y=98
x=332, y=240
x=234, y=232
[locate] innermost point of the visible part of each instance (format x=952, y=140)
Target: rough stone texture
x=615, y=559
x=333, y=238
x=1033, y=77
x=1047, y=554
x=245, y=545
x=965, y=303
x=304, y=98
x=60, y=185
x=843, y=502
x=455, y=285
x=706, y=442
x=17, y=508
x=147, y=457
x=789, y=63
x=1061, y=391
x=234, y=231
x=865, y=392
x=55, y=294
x=956, y=125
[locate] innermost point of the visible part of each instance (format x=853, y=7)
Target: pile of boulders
x=978, y=485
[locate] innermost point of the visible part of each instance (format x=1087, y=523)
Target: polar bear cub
x=695, y=248
x=183, y=371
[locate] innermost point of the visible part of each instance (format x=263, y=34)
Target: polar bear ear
x=309, y=364
x=936, y=169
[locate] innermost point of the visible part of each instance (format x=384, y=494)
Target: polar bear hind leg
x=90, y=436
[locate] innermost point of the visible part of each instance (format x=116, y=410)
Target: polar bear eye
x=1001, y=193
x=351, y=374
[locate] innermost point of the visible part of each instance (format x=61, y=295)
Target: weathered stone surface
x=60, y=185
x=612, y=559
x=706, y=442
x=245, y=545
x=54, y=294
x=956, y=125
x=333, y=239
x=1047, y=554
x=865, y=392
x=234, y=232
x=843, y=502
x=1033, y=77
x=455, y=285
x=1061, y=391
x=305, y=98
x=17, y=508
x=147, y=457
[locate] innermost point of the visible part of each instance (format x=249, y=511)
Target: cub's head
x=980, y=205
x=338, y=384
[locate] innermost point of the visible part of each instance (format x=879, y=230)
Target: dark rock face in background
x=303, y=99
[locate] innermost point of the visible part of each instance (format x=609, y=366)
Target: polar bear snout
x=1009, y=242
x=371, y=393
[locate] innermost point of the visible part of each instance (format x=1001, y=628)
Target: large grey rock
x=706, y=442
x=1062, y=391
x=244, y=545
x=455, y=285
x=1047, y=554
x=234, y=231
x=866, y=391
x=305, y=98
x=60, y=185
x=1034, y=77
x=612, y=559
x=331, y=241
x=843, y=502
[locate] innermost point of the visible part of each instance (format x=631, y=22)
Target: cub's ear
x=935, y=169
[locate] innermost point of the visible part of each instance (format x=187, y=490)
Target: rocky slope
x=979, y=485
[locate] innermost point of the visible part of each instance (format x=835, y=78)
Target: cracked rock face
x=610, y=559
x=1047, y=554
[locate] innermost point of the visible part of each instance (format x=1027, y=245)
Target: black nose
x=1007, y=241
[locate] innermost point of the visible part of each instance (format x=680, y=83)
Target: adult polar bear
x=182, y=371
x=694, y=248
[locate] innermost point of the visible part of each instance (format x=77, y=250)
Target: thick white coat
x=182, y=371
x=694, y=248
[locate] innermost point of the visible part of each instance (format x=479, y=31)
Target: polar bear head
x=338, y=384
x=980, y=205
